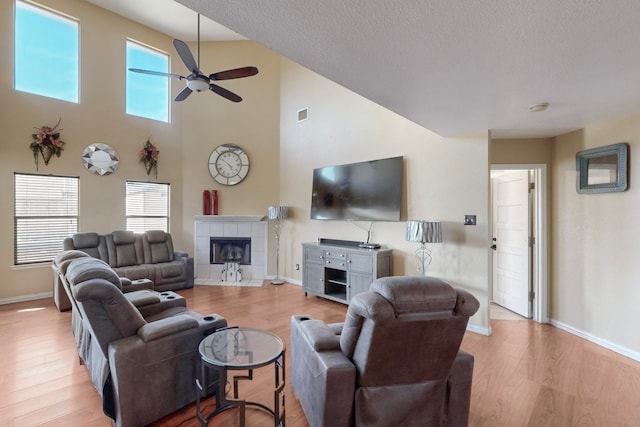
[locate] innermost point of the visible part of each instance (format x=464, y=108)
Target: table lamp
x=424, y=232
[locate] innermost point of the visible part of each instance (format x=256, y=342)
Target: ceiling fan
x=197, y=81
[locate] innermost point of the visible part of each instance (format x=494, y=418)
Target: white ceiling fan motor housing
x=198, y=83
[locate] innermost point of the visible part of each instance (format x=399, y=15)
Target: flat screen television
x=364, y=191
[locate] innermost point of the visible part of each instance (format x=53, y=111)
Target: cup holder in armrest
x=164, y=294
x=208, y=318
x=171, y=297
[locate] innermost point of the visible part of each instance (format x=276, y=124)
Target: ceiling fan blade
x=225, y=93
x=236, y=73
x=186, y=56
x=157, y=73
x=183, y=94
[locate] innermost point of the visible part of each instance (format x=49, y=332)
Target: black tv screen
x=364, y=191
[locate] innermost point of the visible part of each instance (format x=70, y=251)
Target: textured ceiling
x=170, y=18
x=455, y=66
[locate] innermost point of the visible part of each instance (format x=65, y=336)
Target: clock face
x=228, y=164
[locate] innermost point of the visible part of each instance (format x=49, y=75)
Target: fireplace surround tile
x=207, y=226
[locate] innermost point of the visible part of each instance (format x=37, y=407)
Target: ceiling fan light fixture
x=198, y=84
x=538, y=108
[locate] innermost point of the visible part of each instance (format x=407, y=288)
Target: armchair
x=394, y=361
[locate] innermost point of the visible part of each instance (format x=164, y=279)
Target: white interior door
x=511, y=258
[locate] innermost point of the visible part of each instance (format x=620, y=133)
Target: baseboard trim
x=478, y=330
x=634, y=355
x=23, y=298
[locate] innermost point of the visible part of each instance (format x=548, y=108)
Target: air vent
x=303, y=114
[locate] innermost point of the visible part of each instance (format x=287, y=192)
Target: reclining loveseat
x=135, y=256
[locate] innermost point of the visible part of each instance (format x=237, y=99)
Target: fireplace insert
x=230, y=249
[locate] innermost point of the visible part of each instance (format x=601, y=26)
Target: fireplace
x=230, y=249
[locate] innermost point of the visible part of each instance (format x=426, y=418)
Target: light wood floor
x=526, y=374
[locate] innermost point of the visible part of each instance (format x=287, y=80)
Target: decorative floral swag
x=149, y=156
x=47, y=142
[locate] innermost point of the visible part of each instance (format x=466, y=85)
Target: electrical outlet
x=469, y=220
x=297, y=266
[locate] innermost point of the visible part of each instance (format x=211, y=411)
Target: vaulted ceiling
x=453, y=66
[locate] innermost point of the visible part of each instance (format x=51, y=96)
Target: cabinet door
x=361, y=263
x=358, y=283
x=313, y=278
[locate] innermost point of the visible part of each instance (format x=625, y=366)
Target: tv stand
x=338, y=269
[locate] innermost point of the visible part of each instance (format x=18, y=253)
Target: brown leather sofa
x=394, y=361
x=134, y=256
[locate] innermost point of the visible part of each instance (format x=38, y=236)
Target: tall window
x=147, y=95
x=147, y=206
x=46, y=211
x=46, y=52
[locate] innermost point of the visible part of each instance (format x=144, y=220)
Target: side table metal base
x=223, y=402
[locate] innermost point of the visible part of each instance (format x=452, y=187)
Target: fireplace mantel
x=229, y=218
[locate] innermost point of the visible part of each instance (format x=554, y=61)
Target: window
x=46, y=53
x=46, y=211
x=147, y=95
x=147, y=206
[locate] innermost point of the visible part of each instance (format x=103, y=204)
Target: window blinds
x=147, y=206
x=46, y=211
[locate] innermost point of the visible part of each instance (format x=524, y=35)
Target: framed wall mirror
x=100, y=159
x=603, y=169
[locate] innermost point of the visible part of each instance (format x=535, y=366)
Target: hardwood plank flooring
x=526, y=374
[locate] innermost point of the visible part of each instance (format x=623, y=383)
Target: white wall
x=595, y=271
x=210, y=120
x=446, y=178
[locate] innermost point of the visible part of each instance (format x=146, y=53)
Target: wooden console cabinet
x=338, y=272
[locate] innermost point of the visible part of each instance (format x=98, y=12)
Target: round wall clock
x=228, y=164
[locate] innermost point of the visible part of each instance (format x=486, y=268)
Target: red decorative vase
x=215, y=201
x=206, y=203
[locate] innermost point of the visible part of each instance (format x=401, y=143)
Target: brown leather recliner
x=394, y=361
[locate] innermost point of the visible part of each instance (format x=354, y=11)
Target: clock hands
x=230, y=166
x=233, y=164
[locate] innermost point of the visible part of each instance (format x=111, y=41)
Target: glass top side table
x=241, y=349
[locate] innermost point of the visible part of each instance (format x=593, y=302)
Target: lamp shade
x=424, y=231
x=278, y=212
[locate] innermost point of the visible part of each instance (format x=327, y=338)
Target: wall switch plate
x=469, y=220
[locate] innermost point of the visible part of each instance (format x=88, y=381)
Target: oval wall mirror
x=100, y=159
